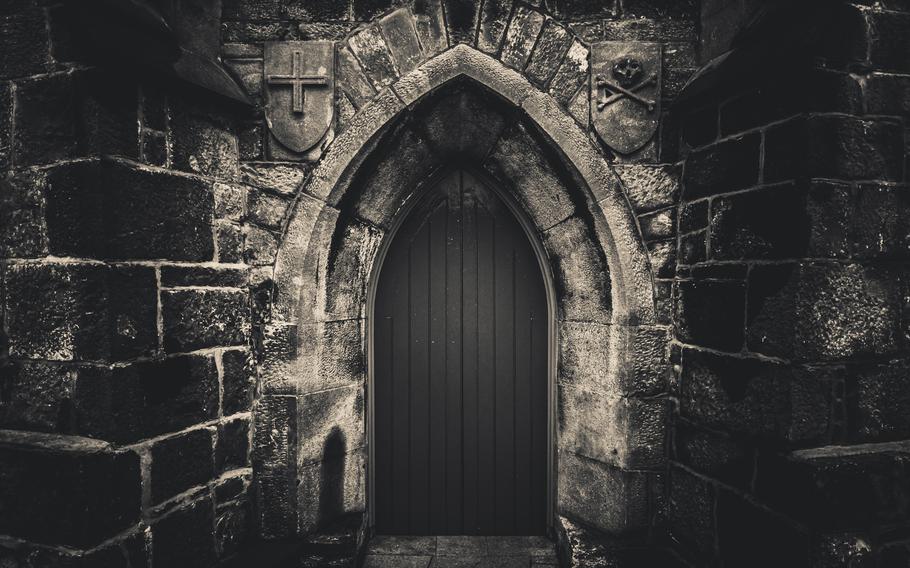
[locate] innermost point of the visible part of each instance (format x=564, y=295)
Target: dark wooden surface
x=460, y=340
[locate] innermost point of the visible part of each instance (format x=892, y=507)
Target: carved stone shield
x=299, y=81
x=625, y=93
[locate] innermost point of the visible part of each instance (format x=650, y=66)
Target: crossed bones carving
x=619, y=92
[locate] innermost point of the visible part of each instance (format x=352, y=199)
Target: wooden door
x=460, y=354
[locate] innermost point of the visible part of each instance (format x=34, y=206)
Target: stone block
x=580, y=9
x=239, y=381
x=693, y=216
x=332, y=354
x=329, y=420
x=112, y=211
x=823, y=312
x=37, y=396
x=401, y=38
x=711, y=314
x=204, y=142
x=201, y=318
x=285, y=179
x=715, y=455
x=463, y=124
x=592, y=424
x=754, y=398
x=376, y=62
x=430, y=24
x=658, y=225
x=80, y=312
x=888, y=94
x=600, y=495
x=767, y=223
x=108, y=109
x=66, y=491
x=25, y=44
x=266, y=210
x=834, y=147
x=275, y=435
x=518, y=160
x=45, y=112
x=230, y=241
x=877, y=399
x=185, y=537
x=494, y=18
x=132, y=551
x=692, y=521
x=460, y=16
x=693, y=248
x=551, y=47
x=723, y=167
x=888, y=44
x=649, y=187
x=521, y=37
x=153, y=149
x=278, y=509
x=646, y=433
x=581, y=273
x=142, y=400
x=195, y=275
x=260, y=246
x=23, y=233
x=571, y=74
x=232, y=450
x=584, y=357
x=180, y=463
x=351, y=79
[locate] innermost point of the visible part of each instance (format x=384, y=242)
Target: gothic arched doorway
x=460, y=369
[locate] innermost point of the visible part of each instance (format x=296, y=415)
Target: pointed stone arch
x=612, y=352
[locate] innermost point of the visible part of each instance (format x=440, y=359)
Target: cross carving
x=297, y=80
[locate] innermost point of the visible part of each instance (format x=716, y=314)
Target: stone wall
x=791, y=301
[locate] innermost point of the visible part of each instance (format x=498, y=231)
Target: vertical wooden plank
x=454, y=520
x=400, y=384
x=469, y=339
x=418, y=518
x=523, y=387
x=486, y=368
x=383, y=346
x=504, y=297
x=439, y=427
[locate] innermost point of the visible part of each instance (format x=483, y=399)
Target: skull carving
x=627, y=71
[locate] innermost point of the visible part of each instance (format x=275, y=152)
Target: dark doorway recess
x=460, y=354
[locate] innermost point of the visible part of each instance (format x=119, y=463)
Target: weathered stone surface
x=693, y=216
x=814, y=311
x=369, y=47
x=231, y=242
x=571, y=74
x=275, y=435
x=37, y=396
x=80, y=312
x=196, y=319
x=203, y=142
x=464, y=123
x=494, y=17
x=693, y=247
x=691, y=513
x=645, y=369
x=181, y=462
x=332, y=355
x=663, y=258
x=24, y=43
x=581, y=273
x=401, y=38
x=739, y=522
x=126, y=404
x=877, y=399
x=266, y=209
x=834, y=147
x=753, y=397
x=584, y=356
x=216, y=276
x=711, y=314
x=649, y=187
x=518, y=161
x=285, y=179
x=392, y=178
x=23, y=233
x=108, y=107
x=647, y=29
x=461, y=17
x=716, y=455
x=658, y=225
x=430, y=25
x=352, y=80
x=111, y=211
x=521, y=37
x=592, y=424
x=551, y=47
x=73, y=492
x=723, y=167
x=324, y=413
x=233, y=446
x=579, y=9
x=239, y=381
x=45, y=112
x=598, y=494
x=351, y=262
x=185, y=537
x=278, y=512
x=233, y=529
x=332, y=488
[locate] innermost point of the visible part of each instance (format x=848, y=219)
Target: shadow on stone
x=331, y=482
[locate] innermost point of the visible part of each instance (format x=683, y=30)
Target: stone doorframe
x=309, y=420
